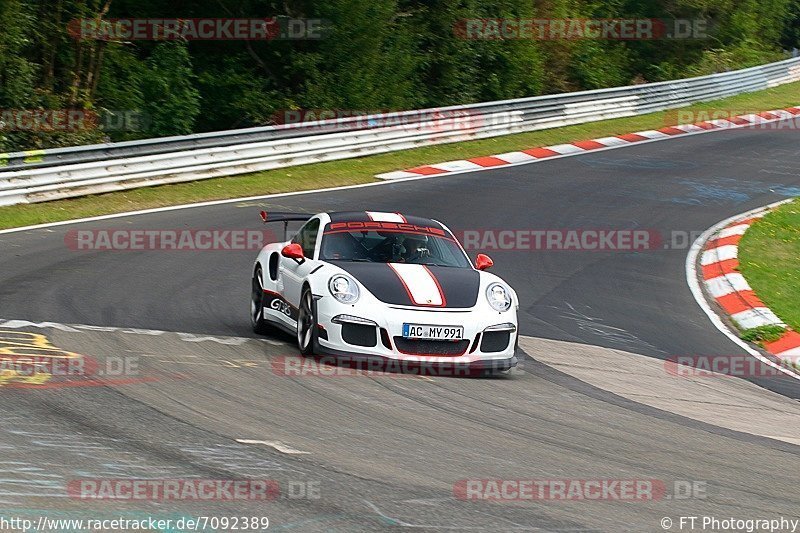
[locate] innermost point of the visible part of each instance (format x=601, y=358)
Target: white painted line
x=755, y=317
x=793, y=352
x=456, y=166
x=699, y=297
x=515, y=157
x=688, y=128
x=612, y=141
x=653, y=134
x=398, y=174
x=720, y=253
x=565, y=149
x=754, y=119
x=726, y=284
x=782, y=113
x=722, y=123
x=738, y=229
x=281, y=447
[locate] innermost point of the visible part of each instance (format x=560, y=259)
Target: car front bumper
x=374, y=333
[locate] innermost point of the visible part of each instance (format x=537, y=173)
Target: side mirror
x=483, y=261
x=293, y=251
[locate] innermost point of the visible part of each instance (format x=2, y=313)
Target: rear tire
x=257, y=321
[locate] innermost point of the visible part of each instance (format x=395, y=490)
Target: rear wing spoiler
x=277, y=216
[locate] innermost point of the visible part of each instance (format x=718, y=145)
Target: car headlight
x=343, y=289
x=498, y=296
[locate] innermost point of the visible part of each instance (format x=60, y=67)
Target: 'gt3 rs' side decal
x=423, y=288
x=276, y=302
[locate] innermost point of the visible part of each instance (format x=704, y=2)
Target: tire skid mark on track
x=469, y=416
x=116, y=459
x=531, y=435
x=596, y=326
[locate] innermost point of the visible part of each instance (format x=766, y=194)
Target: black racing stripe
x=349, y=216
x=379, y=279
x=419, y=221
x=459, y=285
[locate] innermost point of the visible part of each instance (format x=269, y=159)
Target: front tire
x=306, y=323
x=260, y=326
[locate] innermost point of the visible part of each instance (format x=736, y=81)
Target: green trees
x=375, y=55
x=171, y=101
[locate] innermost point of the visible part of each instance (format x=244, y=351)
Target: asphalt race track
x=387, y=451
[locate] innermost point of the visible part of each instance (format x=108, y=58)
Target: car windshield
x=421, y=245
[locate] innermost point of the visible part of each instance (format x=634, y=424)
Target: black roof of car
x=364, y=216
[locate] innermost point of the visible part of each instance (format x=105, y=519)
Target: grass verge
x=763, y=334
x=769, y=258
x=362, y=170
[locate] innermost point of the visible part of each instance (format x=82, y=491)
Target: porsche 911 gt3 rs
x=384, y=285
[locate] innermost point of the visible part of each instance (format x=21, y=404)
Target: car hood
x=416, y=285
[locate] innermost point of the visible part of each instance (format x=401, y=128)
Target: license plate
x=441, y=333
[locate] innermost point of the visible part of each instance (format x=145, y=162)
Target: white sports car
x=367, y=286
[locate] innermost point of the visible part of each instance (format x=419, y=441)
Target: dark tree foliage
x=375, y=55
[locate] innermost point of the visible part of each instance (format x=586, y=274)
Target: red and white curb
x=719, y=261
x=533, y=155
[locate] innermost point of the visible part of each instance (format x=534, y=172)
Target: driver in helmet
x=416, y=248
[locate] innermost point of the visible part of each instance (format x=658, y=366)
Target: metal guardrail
x=36, y=176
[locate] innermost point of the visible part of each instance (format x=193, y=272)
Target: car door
x=293, y=272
